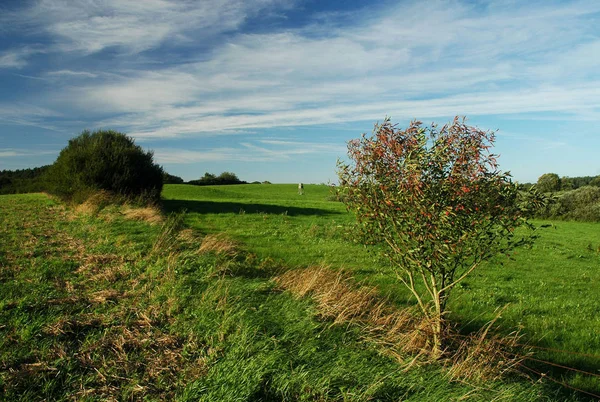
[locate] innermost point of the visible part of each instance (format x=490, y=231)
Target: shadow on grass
x=213, y=207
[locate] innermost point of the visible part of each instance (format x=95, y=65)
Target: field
x=119, y=303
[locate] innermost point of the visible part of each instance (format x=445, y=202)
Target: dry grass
x=94, y=203
x=401, y=332
x=167, y=239
x=220, y=245
x=137, y=353
x=97, y=203
x=341, y=301
x=121, y=339
x=149, y=214
x=486, y=357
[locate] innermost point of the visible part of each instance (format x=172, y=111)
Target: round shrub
x=105, y=160
x=548, y=182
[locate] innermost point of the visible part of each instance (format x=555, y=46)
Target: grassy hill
x=121, y=303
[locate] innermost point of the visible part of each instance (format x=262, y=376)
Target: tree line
x=23, y=180
x=552, y=182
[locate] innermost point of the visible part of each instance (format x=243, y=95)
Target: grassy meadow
x=124, y=303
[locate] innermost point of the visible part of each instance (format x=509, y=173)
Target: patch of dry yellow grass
x=401, y=332
x=220, y=245
x=149, y=214
x=94, y=203
x=341, y=301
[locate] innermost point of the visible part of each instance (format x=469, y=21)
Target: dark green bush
x=105, y=160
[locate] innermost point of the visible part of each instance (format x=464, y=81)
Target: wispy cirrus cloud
x=17, y=153
x=166, y=70
x=467, y=61
x=18, y=58
x=71, y=73
x=91, y=26
x=261, y=150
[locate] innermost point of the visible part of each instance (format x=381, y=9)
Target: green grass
x=102, y=307
x=549, y=292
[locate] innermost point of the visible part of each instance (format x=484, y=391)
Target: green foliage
x=171, y=179
x=105, y=160
x=210, y=179
x=23, y=180
x=437, y=202
x=568, y=183
x=595, y=181
x=548, y=182
x=582, y=204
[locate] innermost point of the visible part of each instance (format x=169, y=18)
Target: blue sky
x=273, y=89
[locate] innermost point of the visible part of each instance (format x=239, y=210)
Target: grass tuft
x=219, y=244
x=149, y=214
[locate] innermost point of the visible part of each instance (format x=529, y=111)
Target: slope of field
x=548, y=292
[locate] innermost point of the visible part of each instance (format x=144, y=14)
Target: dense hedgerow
x=105, y=160
x=582, y=204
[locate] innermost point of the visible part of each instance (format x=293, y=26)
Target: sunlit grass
x=548, y=292
x=105, y=306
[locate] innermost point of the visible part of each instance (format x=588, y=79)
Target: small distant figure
x=301, y=189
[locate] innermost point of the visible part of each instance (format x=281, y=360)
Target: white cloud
x=11, y=153
x=17, y=58
x=71, y=73
x=133, y=26
x=419, y=59
x=26, y=114
x=269, y=151
x=453, y=61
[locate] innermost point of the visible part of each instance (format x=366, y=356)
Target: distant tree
x=228, y=178
x=548, y=182
x=436, y=202
x=105, y=160
x=595, y=182
x=210, y=179
x=566, y=184
x=28, y=180
x=171, y=179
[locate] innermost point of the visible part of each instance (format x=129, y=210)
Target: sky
x=274, y=89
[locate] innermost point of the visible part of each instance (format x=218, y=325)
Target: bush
x=548, y=182
x=108, y=161
x=436, y=202
x=582, y=204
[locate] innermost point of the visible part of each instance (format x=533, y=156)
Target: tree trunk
x=438, y=328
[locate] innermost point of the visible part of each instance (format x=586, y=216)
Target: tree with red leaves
x=437, y=202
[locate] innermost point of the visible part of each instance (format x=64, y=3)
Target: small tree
x=548, y=182
x=437, y=202
x=105, y=160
